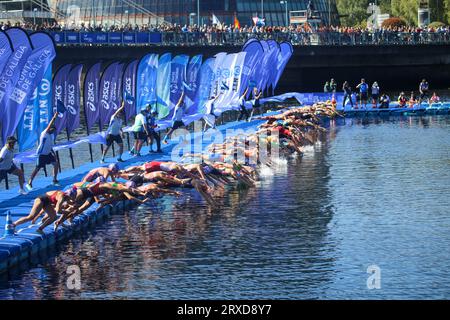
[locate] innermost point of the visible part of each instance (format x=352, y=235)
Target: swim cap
x=113, y=167
x=130, y=184
x=72, y=192
x=100, y=179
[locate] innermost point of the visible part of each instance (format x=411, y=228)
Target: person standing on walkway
x=243, y=110
x=210, y=116
x=333, y=85
x=375, y=94
x=7, y=165
x=114, y=134
x=152, y=115
x=423, y=89
x=363, y=92
x=140, y=132
x=347, y=94
x=45, y=153
x=177, y=119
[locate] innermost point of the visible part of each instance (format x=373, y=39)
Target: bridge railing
x=70, y=38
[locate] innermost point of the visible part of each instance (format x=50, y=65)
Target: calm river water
x=374, y=193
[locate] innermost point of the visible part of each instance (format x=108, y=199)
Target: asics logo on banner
x=71, y=99
x=105, y=95
x=105, y=104
x=90, y=97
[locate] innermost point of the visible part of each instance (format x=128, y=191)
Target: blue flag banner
x=146, y=81
x=162, y=89
x=45, y=100
x=192, y=80
x=22, y=48
x=217, y=71
x=204, y=87
x=59, y=91
x=275, y=52
x=254, y=52
x=260, y=71
x=177, y=76
x=110, y=92
x=91, y=94
x=31, y=75
x=286, y=51
x=6, y=50
x=73, y=98
x=29, y=123
x=129, y=89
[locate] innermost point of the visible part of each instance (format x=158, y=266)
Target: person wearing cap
x=114, y=134
x=140, y=132
x=7, y=165
x=45, y=153
x=152, y=115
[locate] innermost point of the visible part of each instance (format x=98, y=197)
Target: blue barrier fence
x=119, y=38
x=239, y=38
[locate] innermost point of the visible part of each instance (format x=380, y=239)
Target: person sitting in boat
x=402, y=100
x=384, y=101
x=412, y=100
x=435, y=98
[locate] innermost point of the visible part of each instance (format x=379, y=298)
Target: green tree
x=353, y=12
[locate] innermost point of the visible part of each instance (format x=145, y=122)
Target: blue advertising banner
x=6, y=50
x=162, y=89
x=22, y=49
x=129, y=89
x=73, y=37
x=90, y=95
x=59, y=91
x=146, y=81
x=254, y=52
x=45, y=100
x=110, y=92
x=29, y=123
x=192, y=79
x=129, y=37
x=177, y=76
x=31, y=75
x=203, y=92
x=73, y=98
x=115, y=37
x=286, y=51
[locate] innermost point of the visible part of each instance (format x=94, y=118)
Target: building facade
x=184, y=12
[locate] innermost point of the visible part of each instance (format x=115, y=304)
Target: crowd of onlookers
x=212, y=34
x=166, y=27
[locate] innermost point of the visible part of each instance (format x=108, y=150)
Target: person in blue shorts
x=363, y=93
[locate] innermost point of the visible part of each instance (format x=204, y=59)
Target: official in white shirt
x=45, y=153
x=7, y=165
